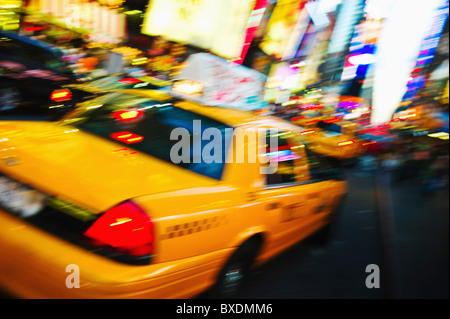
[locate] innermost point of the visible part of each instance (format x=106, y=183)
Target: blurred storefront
x=284, y=24
x=297, y=35
x=349, y=13
x=218, y=26
x=101, y=21
x=232, y=29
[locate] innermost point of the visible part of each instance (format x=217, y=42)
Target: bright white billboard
x=217, y=25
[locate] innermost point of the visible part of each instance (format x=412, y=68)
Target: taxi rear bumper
x=35, y=264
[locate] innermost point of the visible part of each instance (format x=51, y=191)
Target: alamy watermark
x=73, y=16
x=373, y=280
x=73, y=279
x=247, y=146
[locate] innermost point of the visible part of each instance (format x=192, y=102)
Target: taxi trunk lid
x=83, y=169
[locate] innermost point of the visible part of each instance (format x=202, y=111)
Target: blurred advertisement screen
x=224, y=83
x=217, y=25
x=282, y=26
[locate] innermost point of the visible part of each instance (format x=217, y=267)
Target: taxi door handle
x=251, y=196
x=273, y=205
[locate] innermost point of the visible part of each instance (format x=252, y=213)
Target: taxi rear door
x=291, y=199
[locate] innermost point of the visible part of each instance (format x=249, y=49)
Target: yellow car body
x=310, y=115
x=341, y=145
x=198, y=222
x=418, y=116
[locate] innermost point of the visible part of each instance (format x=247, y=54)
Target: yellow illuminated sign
x=187, y=87
x=440, y=135
x=281, y=26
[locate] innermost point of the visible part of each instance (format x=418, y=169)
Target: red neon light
x=333, y=120
x=31, y=29
x=297, y=118
x=313, y=107
x=251, y=27
x=279, y=148
x=380, y=133
x=130, y=80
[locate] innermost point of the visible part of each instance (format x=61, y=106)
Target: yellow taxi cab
x=94, y=206
x=416, y=115
x=335, y=138
x=311, y=115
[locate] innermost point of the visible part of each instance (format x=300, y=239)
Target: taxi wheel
x=235, y=271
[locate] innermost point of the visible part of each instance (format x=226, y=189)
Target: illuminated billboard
x=217, y=25
x=282, y=24
x=400, y=42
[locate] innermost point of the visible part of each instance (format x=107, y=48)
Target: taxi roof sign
x=222, y=83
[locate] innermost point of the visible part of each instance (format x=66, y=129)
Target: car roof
x=28, y=40
x=229, y=116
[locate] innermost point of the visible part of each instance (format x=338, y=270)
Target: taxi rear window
x=146, y=125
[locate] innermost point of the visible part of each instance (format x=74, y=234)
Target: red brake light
x=127, y=115
x=61, y=95
x=378, y=133
x=308, y=132
x=297, y=118
x=126, y=228
x=344, y=143
x=127, y=137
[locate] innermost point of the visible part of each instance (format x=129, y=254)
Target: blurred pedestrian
x=87, y=63
x=434, y=177
x=390, y=162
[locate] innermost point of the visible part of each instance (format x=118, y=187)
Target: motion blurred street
x=358, y=91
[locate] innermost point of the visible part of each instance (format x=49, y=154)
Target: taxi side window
x=282, y=154
x=298, y=162
x=322, y=167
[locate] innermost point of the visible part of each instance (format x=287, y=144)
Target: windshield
x=120, y=82
x=146, y=125
x=109, y=83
